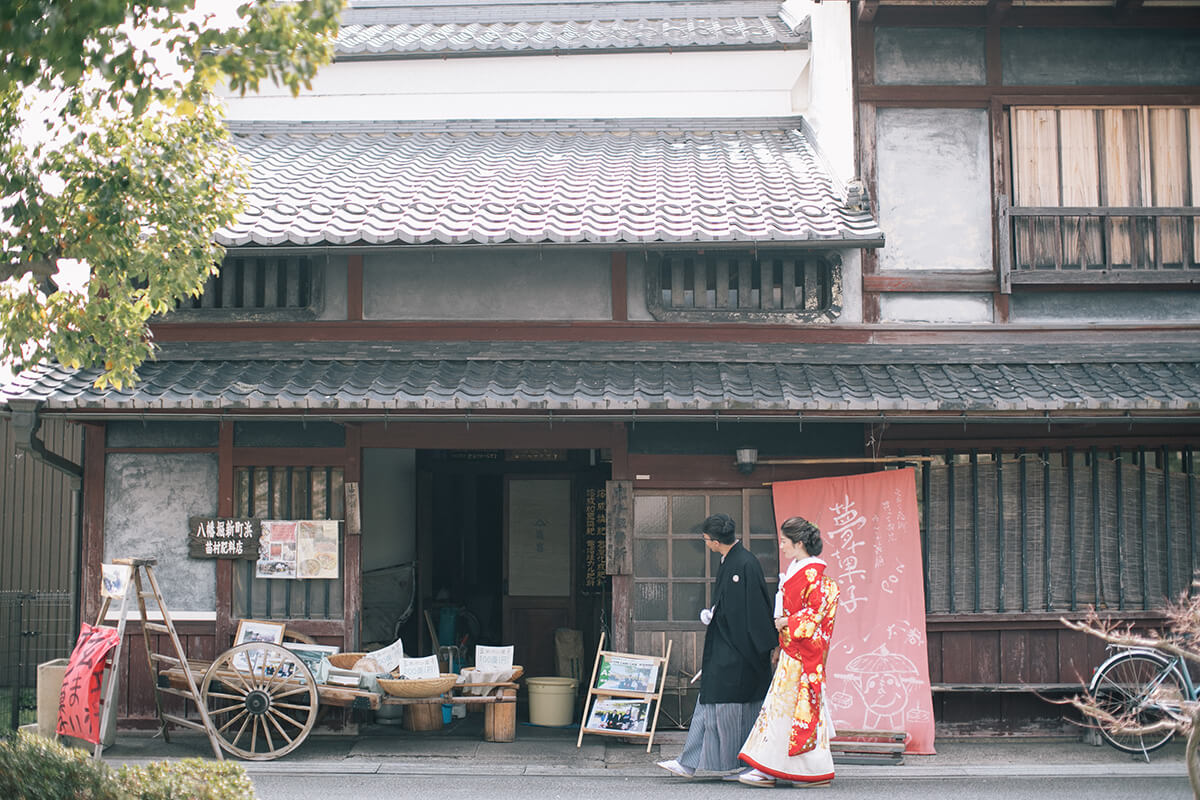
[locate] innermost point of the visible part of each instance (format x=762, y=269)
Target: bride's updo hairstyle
x=802, y=532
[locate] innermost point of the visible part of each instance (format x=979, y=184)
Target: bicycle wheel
x=1138, y=690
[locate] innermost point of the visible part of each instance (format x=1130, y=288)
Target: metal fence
x=35, y=627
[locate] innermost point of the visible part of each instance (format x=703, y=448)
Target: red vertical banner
x=878, y=667
x=79, y=700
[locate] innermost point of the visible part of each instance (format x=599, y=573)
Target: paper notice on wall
x=317, y=549
x=276, y=550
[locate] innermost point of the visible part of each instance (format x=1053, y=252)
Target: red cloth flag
x=877, y=675
x=79, y=700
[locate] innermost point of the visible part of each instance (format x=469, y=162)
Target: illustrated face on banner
x=878, y=665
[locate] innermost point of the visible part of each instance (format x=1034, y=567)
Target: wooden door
x=539, y=570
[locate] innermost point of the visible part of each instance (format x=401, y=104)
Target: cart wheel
x=261, y=699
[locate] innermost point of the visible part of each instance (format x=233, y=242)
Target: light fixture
x=747, y=457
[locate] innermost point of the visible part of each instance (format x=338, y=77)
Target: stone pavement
x=459, y=749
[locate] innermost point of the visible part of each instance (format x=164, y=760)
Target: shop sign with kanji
x=222, y=537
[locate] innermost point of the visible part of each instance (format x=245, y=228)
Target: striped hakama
x=716, y=734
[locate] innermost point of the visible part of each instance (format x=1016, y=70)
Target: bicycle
x=1139, y=687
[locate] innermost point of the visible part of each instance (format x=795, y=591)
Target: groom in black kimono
x=736, y=666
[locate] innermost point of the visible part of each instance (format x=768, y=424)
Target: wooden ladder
x=154, y=659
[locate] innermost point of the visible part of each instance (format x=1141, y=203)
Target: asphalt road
x=510, y=787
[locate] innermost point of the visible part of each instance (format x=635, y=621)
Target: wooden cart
x=263, y=701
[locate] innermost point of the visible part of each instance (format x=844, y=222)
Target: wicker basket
x=344, y=660
x=418, y=687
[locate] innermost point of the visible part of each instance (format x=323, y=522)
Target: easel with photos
x=624, y=695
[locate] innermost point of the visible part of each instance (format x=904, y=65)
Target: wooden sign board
x=624, y=695
x=223, y=537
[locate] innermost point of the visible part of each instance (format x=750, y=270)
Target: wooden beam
x=867, y=10
x=930, y=281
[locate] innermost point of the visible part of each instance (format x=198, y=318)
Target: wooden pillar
x=224, y=606
x=352, y=599
x=93, y=519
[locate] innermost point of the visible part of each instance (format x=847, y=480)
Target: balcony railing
x=1098, y=245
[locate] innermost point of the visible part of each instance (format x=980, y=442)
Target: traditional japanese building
x=549, y=282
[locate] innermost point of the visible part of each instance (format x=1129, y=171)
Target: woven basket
x=418, y=687
x=344, y=660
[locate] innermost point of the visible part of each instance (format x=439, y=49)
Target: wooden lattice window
x=1103, y=194
x=259, y=284
x=730, y=285
x=274, y=492
x=673, y=570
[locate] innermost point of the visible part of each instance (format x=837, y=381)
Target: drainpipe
x=25, y=423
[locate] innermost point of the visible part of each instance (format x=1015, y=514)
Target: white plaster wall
x=934, y=182
x=148, y=498
x=708, y=84
x=823, y=94
x=493, y=283
x=948, y=308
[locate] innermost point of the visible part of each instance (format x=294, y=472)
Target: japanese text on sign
x=220, y=537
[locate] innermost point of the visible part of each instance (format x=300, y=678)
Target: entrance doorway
x=497, y=544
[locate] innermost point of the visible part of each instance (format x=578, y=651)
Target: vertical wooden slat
x=975, y=554
x=1120, y=512
x=745, y=283
x=1080, y=178
x=1096, y=548
x=269, y=289
x=1193, y=199
x=1072, y=555
x=722, y=278
x=700, y=266
x=1047, y=527
x=1001, y=548
x=1120, y=160
x=766, y=283
x=1024, y=495
x=293, y=283
x=787, y=288
x=815, y=290
x=950, y=527
x=249, y=283
x=1143, y=518
x=231, y=274
x=1168, y=558
x=1168, y=179
x=677, y=282
x=1189, y=467
x=1035, y=181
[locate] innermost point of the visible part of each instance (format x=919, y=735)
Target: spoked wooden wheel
x=261, y=700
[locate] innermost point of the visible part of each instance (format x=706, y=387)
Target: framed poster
x=627, y=673
x=276, y=550
x=311, y=654
x=619, y=715
x=254, y=630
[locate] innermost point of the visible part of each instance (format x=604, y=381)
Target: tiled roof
x=488, y=28
x=612, y=181
x=626, y=378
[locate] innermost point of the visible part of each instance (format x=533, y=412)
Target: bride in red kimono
x=790, y=739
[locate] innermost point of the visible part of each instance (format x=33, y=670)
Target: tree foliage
x=133, y=172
